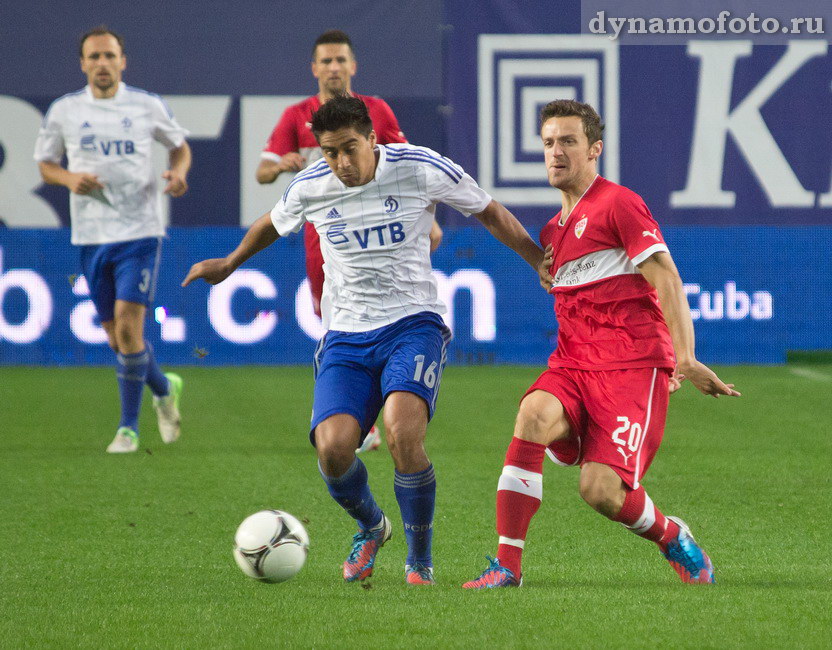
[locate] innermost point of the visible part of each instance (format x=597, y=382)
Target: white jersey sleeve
x=166, y=130
x=287, y=216
x=456, y=188
x=50, y=146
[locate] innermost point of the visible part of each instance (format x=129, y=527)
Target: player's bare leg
x=603, y=489
x=110, y=328
x=335, y=440
x=129, y=326
x=541, y=421
x=406, y=421
x=346, y=477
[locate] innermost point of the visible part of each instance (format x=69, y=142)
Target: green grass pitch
x=135, y=551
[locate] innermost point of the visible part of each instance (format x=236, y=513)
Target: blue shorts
x=121, y=271
x=356, y=371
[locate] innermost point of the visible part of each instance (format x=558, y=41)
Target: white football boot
x=125, y=442
x=167, y=409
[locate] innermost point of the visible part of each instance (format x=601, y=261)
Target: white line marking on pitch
x=810, y=374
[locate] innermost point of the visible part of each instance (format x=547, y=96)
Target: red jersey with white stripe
x=294, y=130
x=608, y=315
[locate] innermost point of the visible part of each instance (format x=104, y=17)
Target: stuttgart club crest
x=580, y=226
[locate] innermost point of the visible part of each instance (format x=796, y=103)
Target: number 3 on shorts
x=144, y=285
x=429, y=377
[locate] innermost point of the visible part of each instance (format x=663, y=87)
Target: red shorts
x=314, y=265
x=616, y=417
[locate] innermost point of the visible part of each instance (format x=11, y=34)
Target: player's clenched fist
x=544, y=268
x=177, y=185
x=85, y=183
x=675, y=382
x=212, y=271
x=291, y=162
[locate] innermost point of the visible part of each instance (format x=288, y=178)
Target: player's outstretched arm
x=660, y=271
x=261, y=235
x=507, y=230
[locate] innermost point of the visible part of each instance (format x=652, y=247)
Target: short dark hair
x=100, y=30
x=342, y=112
x=333, y=37
x=593, y=127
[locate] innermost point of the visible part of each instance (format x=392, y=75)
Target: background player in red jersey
x=624, y=325
x=292, y=146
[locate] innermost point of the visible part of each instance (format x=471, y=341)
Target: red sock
x=518, y=497
x=646, y=520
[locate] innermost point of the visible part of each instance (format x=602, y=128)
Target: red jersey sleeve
x=284, y=137
x=385, y=123
x=546, y=232
x=639, y=233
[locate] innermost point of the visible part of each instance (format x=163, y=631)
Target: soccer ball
x=271, y=546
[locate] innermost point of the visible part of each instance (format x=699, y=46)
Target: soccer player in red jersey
x=625, y=341
x=292, y=147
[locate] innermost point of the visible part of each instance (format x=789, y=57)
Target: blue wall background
x=744, y=312
x=456, y=86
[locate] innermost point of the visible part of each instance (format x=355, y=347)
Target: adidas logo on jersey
x=86, y=125
x=333, y=214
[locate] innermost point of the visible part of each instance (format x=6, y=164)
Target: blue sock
x=159, y=384
x=131, y=370
x=416, y=494
x=352, y=492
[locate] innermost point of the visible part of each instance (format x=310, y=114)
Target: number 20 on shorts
x=633, y=432
x=429, y=376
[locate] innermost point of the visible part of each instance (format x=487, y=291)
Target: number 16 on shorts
x=426, y=376
x=414, y=360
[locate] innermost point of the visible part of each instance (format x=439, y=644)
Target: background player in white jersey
x=106, y=130
x=373, y=207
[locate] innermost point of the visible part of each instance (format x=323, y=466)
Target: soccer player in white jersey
x=106, y=130
x=292, y=146
x=373, y=207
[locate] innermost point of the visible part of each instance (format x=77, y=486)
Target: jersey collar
x=119, y=93
x=562, y=221
x=382, y=161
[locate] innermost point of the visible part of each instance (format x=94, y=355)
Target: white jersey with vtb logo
x=112, y=139
x=375, y=237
